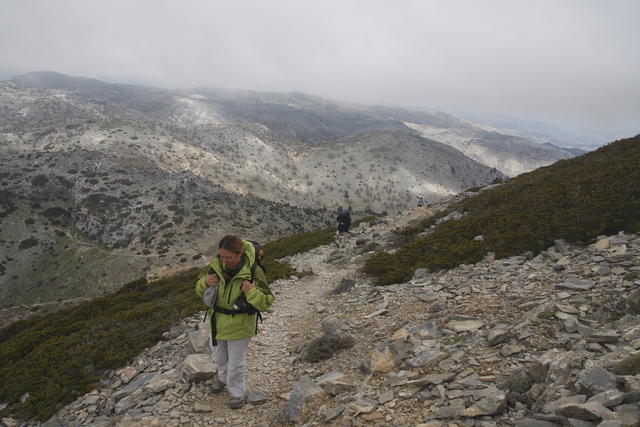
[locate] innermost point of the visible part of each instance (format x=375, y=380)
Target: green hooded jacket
x=237, y=326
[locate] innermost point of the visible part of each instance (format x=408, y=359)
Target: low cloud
x=574, y=61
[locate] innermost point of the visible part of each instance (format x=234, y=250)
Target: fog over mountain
x=105, y=182
x=572, y=66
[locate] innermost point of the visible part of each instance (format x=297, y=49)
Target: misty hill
x=262, y=139
x=103, y=183
x=511, y=155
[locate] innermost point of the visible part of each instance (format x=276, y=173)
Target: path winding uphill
x=301, y=308
x=526, y=342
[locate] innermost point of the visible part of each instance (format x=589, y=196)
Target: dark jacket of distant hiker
x=344, y=222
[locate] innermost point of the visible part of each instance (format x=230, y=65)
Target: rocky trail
x=523, y=341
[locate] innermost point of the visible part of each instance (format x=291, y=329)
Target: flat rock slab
x=576, y=285
x=465, y=325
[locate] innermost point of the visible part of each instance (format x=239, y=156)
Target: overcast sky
x=575, y=61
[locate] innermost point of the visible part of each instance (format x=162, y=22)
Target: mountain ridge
x=102, y=165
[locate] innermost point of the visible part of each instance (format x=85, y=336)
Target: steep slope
x=305, y=119
x=387, y=169
x=79, y=222
x=544, y=320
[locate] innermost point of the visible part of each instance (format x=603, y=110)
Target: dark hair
x=233, y=243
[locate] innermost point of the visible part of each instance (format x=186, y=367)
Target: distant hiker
x=344, y=222
x=420, y=201
x=235, y=288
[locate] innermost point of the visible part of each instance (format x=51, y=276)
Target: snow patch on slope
x=194, y=110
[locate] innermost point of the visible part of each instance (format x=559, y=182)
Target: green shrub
x=546, y=315
x=297, y=243
x=28, y=243
x=366, y=219
x=631, y=276
x=415, y=227
x=278, y=270
x=325, y=346
x=39, y=180
x=628, y=366
x=54, y=212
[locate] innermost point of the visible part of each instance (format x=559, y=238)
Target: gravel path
x=297, y=311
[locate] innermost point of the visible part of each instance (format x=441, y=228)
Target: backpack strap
x=253, y=270
x=230, y=312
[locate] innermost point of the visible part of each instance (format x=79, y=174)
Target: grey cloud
x=572, y=60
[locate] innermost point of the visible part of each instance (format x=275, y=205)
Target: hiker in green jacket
x=235, y=279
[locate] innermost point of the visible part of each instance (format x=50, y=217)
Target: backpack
x=344, y=221
x=259, y=257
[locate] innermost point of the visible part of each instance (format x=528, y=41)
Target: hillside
x=259, y=137
x=105, y=183
x=577, y=200
x=80, y=223
x=511, y=339
x=511, y=155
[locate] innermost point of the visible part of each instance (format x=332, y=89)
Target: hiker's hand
x=247, y=286
x=212, y=279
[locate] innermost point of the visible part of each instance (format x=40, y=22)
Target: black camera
x=241, y=304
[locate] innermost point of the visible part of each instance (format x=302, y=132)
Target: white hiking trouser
x=229, y=358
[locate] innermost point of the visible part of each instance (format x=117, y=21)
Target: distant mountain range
x=567, y=136
x=102, y=183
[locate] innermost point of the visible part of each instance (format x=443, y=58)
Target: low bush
x=297, y=243
x=628, y=366
x=39, y=180
x=28, y=243
x=327, y=345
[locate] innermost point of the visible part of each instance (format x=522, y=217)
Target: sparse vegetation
x=546, y=315
x=576, y=200
x=634, y=275
x=45, y=356
x=628, y=366
x=325, y=346
x=300, y=242
x=39, y=180
x=106, y=332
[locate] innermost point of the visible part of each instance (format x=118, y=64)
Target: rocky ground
x=524, y=341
